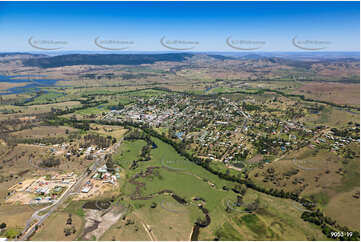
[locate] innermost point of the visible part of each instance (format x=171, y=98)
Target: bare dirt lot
x=99, y=221
x=122, y=232
x=99, y=188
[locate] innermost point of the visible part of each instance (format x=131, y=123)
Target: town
x=231, y=132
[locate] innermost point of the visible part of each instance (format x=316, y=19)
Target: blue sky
x=207, y=23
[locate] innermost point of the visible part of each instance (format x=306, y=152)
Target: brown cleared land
x=15, y=216
x=43, y=131
x=345, y=209
x=115, y=131
x=339, y=93
x=6, y=85
x=121, y=232
x=53, y=229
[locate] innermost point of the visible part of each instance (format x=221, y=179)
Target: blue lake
x=33, y=86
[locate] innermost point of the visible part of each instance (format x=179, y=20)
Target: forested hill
x=104, y=59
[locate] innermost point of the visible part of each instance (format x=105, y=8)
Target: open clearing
x=339, y=93
x=54, y=228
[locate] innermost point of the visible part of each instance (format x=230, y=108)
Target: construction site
x=45, y=189
x=100, y=182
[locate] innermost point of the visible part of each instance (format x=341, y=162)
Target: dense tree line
x=50, y=162
x=346, y=132
x=98, y=140
x=327, y=224
x=136, y=134
x=12, y=140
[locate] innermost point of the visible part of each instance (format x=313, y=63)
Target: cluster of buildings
x=221, y=128
x=42, y=190
x=102, y=174
x=51, y=188
x=337, y=142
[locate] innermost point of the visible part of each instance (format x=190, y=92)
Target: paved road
x=37, y=220
x=29, y=228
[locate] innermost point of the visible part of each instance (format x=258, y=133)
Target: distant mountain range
x=298, y=54
x=4, y=54
x=304, y=60
x=104, y=59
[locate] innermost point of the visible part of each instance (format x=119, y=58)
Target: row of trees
x=139, y=134
x=327, y=224
x=98, y=140
x=13, y=140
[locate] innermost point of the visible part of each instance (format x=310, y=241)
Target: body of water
x=33, y=85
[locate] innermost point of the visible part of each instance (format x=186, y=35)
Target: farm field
x=319, y=175
x=332, y=92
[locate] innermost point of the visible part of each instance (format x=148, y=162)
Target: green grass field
x=276, y=219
